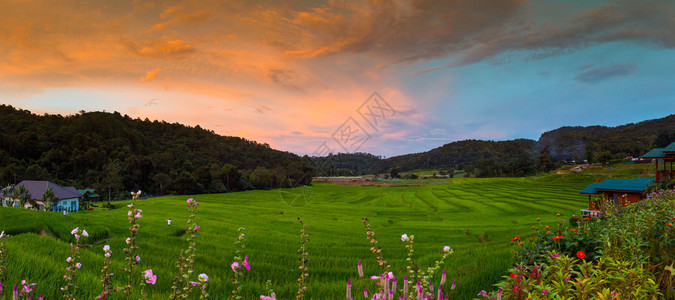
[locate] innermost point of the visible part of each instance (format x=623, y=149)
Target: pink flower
x=150, y=278
x=235, y=266
x=128, y=240
x=197, y=228
x=374, y=277
x=130, y=205
x=138, y=215
x=78, y=265
x=77, y=237
x=69, y=259
x=107, y=254
x=360, y=267
x=404, y=237
x=242, y=236
x=139, y=192
x=194, y=283
x=74, y=231
x=138, y=258
x=84, y=233
x=203, y=277
x=189, y=200
x=130, y=213
x=246, y=265
x=446, y=248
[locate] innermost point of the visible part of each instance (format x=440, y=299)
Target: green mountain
x=108, y=150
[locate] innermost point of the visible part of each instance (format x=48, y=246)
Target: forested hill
x=522, y=156
x=99, y=149
x=469, y=153
x=568, y=143
x=495, y=158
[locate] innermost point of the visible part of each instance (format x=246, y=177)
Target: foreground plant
x=182, y=283
x=386, y=283
x=3, y=259
x=26, y=291
x=73, y=264
x=240, y=260
x=304, y=259
x=131, y=258
x=564, y=277
x=107, y=276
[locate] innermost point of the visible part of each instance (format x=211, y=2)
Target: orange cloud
x=165, y=49
x=150, y=75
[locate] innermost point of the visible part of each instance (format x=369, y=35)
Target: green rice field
x=476, y=217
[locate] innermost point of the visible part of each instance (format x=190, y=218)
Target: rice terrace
x=337, y=149
x=476, y=217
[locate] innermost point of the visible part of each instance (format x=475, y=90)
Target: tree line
x=110, y=151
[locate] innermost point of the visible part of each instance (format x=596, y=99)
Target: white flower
x=404, y=237
x=203, y=277
x=2, y=234
x=106, y=248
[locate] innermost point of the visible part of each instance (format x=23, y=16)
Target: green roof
x=655, y=153
x=91, y=191
x=626, y=185
x=590, y=189
x=669, y=148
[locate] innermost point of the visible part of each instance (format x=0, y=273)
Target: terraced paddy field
x=476, y=217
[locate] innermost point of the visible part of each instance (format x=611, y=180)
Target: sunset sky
x=291, y=73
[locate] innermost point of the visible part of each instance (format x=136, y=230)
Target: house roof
x=37, y=188
x=92, y=192
x=590, y=189
x=655, y=153
x=669, y=148
x=623, y=185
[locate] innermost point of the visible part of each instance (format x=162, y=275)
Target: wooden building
x=617, y=191
x=666, y=156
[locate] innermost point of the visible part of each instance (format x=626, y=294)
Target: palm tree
x=49, y=199
x=24, y=196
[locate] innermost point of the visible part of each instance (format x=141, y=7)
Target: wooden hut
x=667, y=156
x=620, y=192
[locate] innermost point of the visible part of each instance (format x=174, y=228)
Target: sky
x=387, y=77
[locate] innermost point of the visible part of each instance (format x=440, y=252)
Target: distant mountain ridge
x=563, y=144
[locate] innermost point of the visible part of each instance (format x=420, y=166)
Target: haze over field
x=291, y=73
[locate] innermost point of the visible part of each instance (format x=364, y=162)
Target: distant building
x=90, y=195
x=667, y=156
x=620, y=192
x=68, y=197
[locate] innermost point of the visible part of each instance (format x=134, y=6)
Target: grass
x=476, y=217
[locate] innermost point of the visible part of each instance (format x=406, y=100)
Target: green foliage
x=565, y=277
x=638, y=237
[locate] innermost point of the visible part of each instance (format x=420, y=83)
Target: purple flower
x=150, y=278
x=246, y=265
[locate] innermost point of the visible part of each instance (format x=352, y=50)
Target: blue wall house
x=69, y=197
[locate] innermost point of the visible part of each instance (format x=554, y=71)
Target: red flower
x=515, y=238
x=581, y=254
x=557, y=238
x=586, y=219
x=669, y=224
